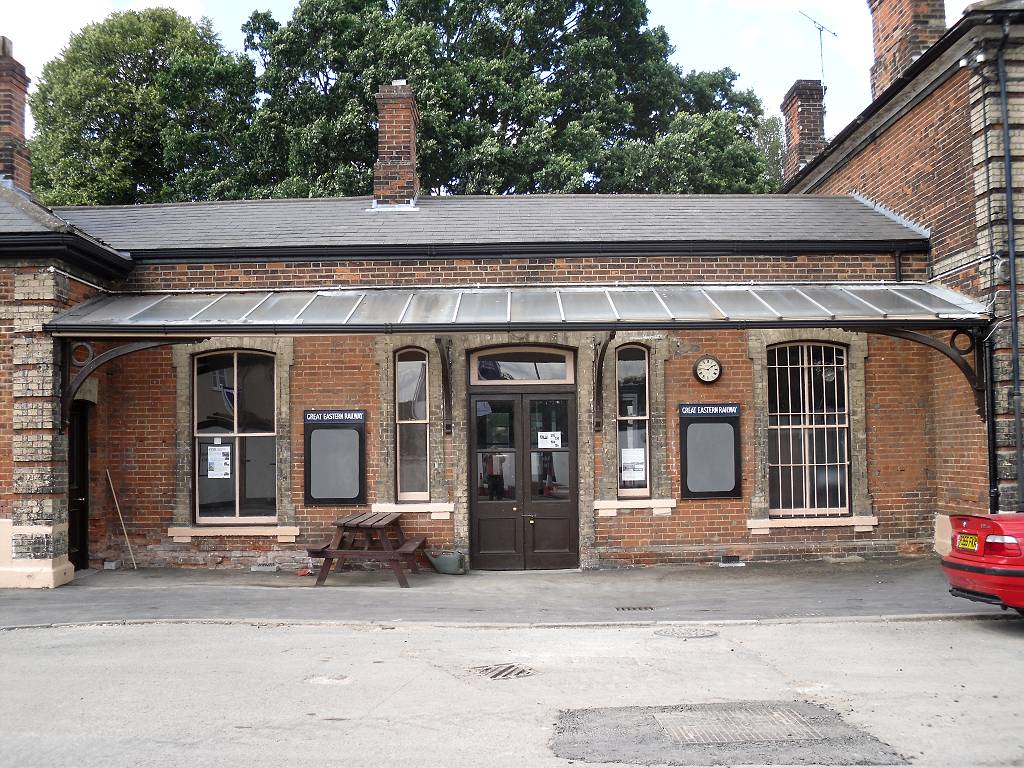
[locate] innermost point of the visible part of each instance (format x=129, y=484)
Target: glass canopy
x=377, y=310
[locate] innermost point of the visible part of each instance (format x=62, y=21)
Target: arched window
x=235, y=436
x=412, y=417
x=632, y=420
x=808, y=430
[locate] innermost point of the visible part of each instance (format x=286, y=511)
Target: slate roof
x=19, y=214
x=493, y=220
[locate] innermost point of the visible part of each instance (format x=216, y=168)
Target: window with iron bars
x=808, y=430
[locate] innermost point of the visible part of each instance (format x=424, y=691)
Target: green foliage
x=141, y=107
x=515, y=96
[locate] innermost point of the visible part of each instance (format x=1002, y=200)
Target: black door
x=78, y=486
x=523, y=485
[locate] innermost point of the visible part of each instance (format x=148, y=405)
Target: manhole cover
x=738, y=724
x=502, y=671
x=685, y=633
x=634, y=608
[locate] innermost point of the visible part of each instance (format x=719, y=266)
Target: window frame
x=400, y=495
x=806, y=428
x=568, y=355
x=645, y=491
x=234, y=435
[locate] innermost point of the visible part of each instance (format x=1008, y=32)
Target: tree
x=515, y=96
x=143, y=107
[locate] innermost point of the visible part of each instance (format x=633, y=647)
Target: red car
x=986, y=563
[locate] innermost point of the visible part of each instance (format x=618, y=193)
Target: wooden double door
x=524, y=510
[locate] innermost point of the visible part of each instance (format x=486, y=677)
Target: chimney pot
x=15, y=163
x=804, y=111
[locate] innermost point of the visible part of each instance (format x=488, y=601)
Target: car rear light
x=1002, y=546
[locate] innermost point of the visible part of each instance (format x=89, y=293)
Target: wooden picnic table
x=374, y=531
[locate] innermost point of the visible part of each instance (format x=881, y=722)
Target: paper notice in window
x=549, y=439
x=218, y=462
x=634, y=464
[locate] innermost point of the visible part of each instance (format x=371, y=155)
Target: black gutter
x=69, y=248
x=929, y=57
x=1018, y=432
x=522, y=250
x=67, y=329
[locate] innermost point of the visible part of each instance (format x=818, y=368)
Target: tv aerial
x=822, y=29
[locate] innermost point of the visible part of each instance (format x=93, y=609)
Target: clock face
x=707, y=369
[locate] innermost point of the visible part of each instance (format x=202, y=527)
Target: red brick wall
x=921, y=168
x=133, y=433
x=519, y=271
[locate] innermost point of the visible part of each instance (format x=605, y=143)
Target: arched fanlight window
x=412, y=417
x=808, y=430
x=235, y=437
x=632, y=420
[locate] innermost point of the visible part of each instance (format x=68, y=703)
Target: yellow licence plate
x=967, y=541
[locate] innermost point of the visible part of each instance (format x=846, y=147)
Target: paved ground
x=927, y=693
x=808, y=590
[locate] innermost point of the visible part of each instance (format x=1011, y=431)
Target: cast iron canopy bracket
x=72, y=385
x=444, y=349
x=602, y=350
x=975, y=374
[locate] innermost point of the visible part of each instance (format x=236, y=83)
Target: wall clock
x=707, y=369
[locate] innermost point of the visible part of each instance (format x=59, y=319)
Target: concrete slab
x=757, y=592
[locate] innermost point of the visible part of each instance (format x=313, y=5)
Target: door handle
x=79, y=498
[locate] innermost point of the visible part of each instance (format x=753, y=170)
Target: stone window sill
x=611, y=507
x=439, y=510
x=182, y=535
x=765, y=525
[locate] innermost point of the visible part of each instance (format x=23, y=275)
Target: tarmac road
x=925, y=692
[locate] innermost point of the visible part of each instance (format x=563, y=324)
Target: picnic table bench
x=376, y=531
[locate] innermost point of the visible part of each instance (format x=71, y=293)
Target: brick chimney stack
x=903, y=30
x=14, y=158
x=395, y=181
x=804, y=111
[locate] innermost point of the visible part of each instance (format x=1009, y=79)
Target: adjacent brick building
x=540, y=381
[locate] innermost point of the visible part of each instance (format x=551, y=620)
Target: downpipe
x=1011, y=238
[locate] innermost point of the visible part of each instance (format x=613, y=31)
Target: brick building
x=539, y=381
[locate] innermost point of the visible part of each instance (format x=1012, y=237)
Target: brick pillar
x=902, y=31
x=395, y=181
x=15, y=163
x=804, y=111
x=38, y=525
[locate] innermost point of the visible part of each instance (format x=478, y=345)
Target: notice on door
x=218, y=462
x=634, y=463
x=549, y=439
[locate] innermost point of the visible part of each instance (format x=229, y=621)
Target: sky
x=768, y=42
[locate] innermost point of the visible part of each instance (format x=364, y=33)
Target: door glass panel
x=215, y=483
x=549, y=424
x=495, y=424
x=549, y=474
x=496, y=476
x=256, y=393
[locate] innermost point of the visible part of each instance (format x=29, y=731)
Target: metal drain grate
x=686, y=633
x=634, y=608
x=502, y=671
x=738, y=724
